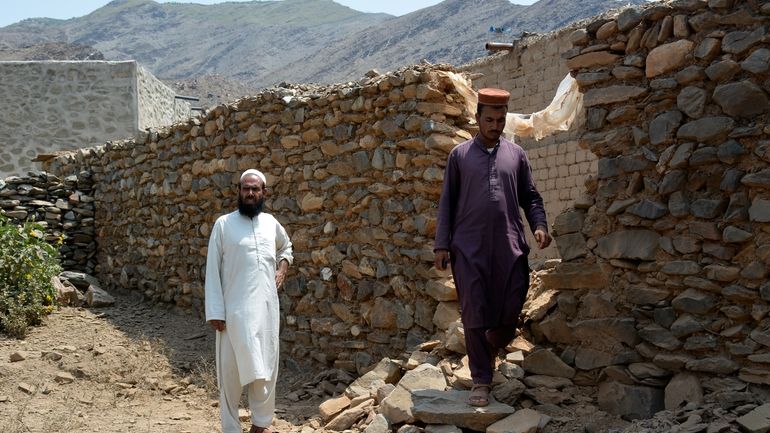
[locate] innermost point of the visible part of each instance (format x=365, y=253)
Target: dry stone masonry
x=64, y=207
x=665, y=261
x=355, y=171
x=661, y=298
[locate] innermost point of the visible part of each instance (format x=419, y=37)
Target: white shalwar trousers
x=261, y=393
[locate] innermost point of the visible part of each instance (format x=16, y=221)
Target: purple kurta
x=480, y=224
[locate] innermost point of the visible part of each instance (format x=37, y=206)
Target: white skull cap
x=257, y=173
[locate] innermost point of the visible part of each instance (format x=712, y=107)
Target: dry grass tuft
x=204, y=375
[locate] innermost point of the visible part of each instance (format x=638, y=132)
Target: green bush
x=27, y=264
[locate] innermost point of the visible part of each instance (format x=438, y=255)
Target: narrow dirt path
x=132, y=367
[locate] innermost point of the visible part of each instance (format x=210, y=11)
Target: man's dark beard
x=250, y=210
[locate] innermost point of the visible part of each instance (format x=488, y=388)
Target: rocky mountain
x=453, y=31
x=261, y=43
x=51, y=51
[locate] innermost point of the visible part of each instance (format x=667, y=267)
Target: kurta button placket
x=494, y=185
x=255, y=235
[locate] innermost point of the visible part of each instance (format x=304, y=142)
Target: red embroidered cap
x=492, y=96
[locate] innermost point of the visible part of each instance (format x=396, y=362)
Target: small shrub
x=27, y=264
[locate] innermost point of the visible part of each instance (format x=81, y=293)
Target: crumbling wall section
x=531, y=72
x=63, y=207
x=665, y=267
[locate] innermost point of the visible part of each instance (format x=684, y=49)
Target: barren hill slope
x=263, y=43
x=250, y=41
x=453, y=31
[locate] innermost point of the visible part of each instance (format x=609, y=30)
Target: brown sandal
x=479, y=396
x=255, y=429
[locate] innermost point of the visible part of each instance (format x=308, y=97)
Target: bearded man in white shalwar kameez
x=248, y=256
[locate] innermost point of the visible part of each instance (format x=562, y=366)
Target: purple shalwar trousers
x=483, y=344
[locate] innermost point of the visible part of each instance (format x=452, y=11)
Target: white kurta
x=240, y=288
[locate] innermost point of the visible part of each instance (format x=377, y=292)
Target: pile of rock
x=80, y=289
x=535, y=390
x=64, y=208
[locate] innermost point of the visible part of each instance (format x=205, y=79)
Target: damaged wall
x=531, y=72
x=63, y=207
x=665, y=267
x=665, y=258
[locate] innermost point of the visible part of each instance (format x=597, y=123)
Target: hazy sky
x=16, y=10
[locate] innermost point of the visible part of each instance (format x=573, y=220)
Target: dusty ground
x=136, y=368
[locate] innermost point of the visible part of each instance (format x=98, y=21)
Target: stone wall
x=532, y=71
x=50, y=106
x=666, y=265
x=157, y=104
x=355, y=173
x=64, y=207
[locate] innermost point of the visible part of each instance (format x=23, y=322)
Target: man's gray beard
x=250, y=210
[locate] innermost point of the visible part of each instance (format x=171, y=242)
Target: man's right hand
x=441, y=259
x=219, y=325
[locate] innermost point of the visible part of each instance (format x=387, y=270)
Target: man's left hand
x=280, y=273
x=542, y=238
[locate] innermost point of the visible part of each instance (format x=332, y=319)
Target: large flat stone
x=576, y=276
x=523, y=421
x=711, y=130
x=628, y=244
x=629, y=401
x=668, y=57
x=756, y=421
x=451, y=407
x=399, y=406
x=612, y=94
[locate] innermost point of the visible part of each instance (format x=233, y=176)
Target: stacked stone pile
x=535, y=390
x=64, y=208
x=354, y=172
x=666, y=258
x=80, y=289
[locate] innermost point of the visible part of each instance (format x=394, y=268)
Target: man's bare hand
x=279, y=277
x=280, y=273
x=219, y=325
x=542, y=237
x=441, y=259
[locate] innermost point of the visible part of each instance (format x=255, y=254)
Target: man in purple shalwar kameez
x=480, y=231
